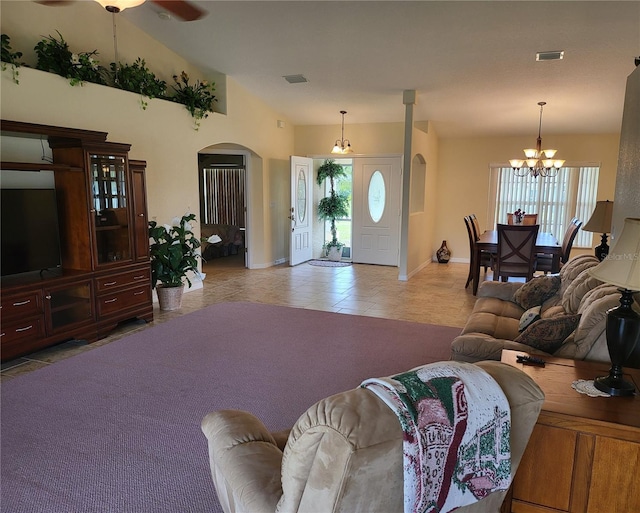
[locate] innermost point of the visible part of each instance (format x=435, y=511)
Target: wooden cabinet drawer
x=119, y=301
x=22, y=305
x=129, y=278
x=16, y=331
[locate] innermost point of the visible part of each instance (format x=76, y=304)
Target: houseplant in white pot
x=334, y=206
x=174, y=253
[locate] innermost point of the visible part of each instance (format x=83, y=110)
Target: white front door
x=301, y=210
x=377, y=187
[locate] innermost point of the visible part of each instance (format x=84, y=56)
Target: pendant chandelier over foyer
x=539, y=162
x=342, y=145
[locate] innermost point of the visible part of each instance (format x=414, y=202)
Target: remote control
x=530, y=360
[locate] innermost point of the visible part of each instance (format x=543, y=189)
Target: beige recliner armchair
x=344, y=454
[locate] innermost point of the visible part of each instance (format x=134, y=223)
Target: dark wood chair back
x=475, y=226
x=544, y=262
x=569, y=236
x=516, y=251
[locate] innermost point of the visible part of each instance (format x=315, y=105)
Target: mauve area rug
x=117, y=429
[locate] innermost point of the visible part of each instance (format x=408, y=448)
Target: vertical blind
x=571, y=193
x=223, y=196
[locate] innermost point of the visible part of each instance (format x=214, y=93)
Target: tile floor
x=435, y=295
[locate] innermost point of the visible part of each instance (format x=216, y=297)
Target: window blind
x=556, y=200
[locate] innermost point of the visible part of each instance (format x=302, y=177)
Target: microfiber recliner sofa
x=567, y=315
x=343, y=455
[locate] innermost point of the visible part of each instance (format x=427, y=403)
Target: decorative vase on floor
x=443, y=254
x=169, y=298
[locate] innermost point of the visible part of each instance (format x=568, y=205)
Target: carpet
x=117, y=429
x=328, y=263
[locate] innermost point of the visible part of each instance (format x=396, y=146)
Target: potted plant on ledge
x=173, y=251
x=332, y=207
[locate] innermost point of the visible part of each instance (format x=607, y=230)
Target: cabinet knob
x=140, y=215
x=48, y=296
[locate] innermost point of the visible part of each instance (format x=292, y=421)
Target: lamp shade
x=622, y=266
x=600, y=220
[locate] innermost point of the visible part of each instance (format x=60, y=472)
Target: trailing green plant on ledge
x=10, y=58
x=55, y=56
x=137, y=78
x=197, y=98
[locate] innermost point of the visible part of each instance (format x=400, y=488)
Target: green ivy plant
x=10, y=58
x=55, y=56
x=197, y=98
x=137, y=78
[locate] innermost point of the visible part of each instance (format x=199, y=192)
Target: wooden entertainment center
x=105, y=274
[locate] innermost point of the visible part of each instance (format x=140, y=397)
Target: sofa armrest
x=498, y=289
x=245, y=462
x=475, y=347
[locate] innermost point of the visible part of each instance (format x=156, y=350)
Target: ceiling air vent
x=550, y=56
x=295, y=79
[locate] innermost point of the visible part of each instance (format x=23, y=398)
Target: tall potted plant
x=334, y=206
x=173, y=251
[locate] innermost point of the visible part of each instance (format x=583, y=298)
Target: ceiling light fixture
x=539, y=162
x=342, y=145
x=116, y=6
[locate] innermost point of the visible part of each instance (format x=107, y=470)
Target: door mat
x=328, y=263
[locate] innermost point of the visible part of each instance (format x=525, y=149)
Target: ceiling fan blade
x=184, y=10
x=53, y=3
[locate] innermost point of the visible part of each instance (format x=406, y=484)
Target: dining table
x=488, y=241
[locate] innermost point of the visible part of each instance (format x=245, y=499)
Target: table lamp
x=622, y=268
x=600, y=222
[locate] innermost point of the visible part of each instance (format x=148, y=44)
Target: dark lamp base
x=613, y=386
x=603, y=249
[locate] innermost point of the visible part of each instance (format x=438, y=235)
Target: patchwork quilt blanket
x=456, y=424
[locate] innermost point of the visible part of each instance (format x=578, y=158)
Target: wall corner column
x=409, y=100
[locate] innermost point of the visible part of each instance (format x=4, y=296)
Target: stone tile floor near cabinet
x=435, y=295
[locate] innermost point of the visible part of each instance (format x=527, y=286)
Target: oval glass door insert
x=376, y=196
x=302, y=196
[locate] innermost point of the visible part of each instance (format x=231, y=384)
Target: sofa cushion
x=590, y=337
x=495, y=317
x=536, y=291
x=529, y=317
x=576, y=290
x=549, y=334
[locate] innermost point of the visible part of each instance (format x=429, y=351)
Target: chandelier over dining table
x=538, y=162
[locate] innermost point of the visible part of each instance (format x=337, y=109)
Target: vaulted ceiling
x=472, y=63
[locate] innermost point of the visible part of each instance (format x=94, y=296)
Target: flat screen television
x=30, y=237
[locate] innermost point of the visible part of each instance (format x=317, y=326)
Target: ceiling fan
x=186, y=11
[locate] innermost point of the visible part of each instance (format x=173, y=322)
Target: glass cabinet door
x=69, y=305
x=111, y=206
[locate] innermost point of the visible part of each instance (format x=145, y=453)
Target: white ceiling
x=472, y=63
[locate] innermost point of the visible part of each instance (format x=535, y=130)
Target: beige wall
x=163, y=134
x=463, y=187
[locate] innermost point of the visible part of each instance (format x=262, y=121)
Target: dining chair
x=516, y=252
x=544, y=261
x=486, y=259
x=528, y=219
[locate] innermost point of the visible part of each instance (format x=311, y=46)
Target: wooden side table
x=584, y=452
